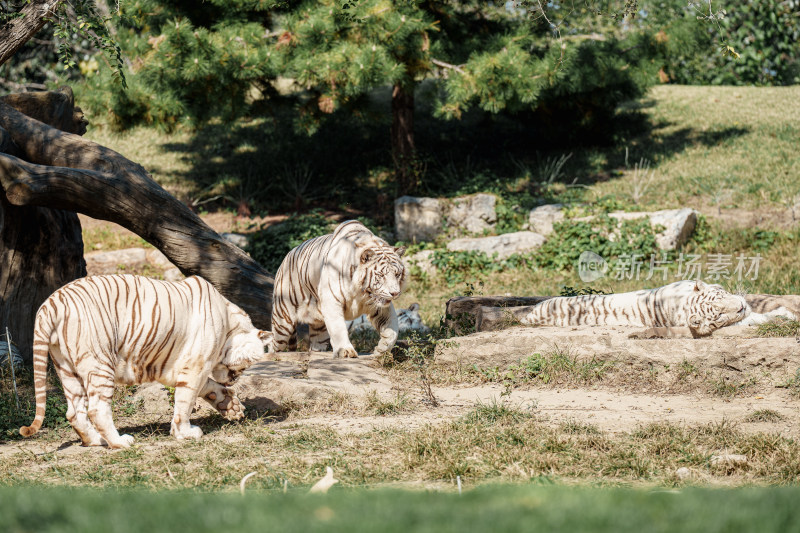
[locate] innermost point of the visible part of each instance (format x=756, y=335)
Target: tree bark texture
x=403, y=148
x=60, y=170
x=18, y=31
x=41, y=249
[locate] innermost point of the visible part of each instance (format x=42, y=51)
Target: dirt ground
x=608, y=379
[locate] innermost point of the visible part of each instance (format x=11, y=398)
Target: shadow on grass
x=266, y=164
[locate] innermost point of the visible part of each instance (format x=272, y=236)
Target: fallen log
x=43, y=167
x=461, y=312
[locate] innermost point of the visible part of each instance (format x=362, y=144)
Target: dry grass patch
x=493, y=442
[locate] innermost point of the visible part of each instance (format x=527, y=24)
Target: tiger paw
x=230, y=407
x=345, y=352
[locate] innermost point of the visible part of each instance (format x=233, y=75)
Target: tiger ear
x=366, y=256
x=413, y=307
x=400, y=250
x=699, y=285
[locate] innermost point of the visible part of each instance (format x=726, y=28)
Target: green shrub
x=269, y=247
x=608, y=237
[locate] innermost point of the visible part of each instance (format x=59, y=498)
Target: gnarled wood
x=54, y=108
x=41, y=249
x=462, y=312
x=65, y=171
x=17, y=31
x=47, y=174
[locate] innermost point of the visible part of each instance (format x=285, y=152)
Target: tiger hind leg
x=77, y=412
x=100, y=387
x=318, y=335
x=284, y=331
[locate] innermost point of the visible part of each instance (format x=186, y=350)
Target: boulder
x=542, y=218
x=417, y=219
x=108, y=262
x=623, y=345
x=173, y=274
x=504, y=246
x=472, y=214
x=422, y=260
x=237, y=239
x=159, y=260
x=423, y=219
x=678, y=225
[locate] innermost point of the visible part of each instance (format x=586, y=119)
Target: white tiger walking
x=337, y=277
x=102, y=330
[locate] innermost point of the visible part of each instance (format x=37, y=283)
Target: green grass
x=494, y=508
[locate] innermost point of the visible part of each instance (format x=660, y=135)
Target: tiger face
x=242, y=350
x=711, y=307
x=381, y=273
x=409, y=319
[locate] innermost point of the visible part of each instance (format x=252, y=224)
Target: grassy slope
x=485, y=509
x=713, y=148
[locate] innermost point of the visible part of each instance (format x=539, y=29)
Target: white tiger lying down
x=407, y=320
x=102, y=330
x=701, y=307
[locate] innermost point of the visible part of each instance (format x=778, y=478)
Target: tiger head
x=409, y=319
x=710, y=307
x=380, y=272
x=245, y=346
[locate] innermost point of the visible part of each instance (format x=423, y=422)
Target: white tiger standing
x=102, y=330
x=701, y=307
x=337, y=277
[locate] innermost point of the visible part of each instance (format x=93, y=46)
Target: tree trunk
x=403, y=149
x=41, y=250
x=19, y=30
x=64, y=171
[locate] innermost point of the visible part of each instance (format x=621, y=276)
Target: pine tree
x=204, y=61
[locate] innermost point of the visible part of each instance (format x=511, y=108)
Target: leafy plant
x=269, y=247
x=608, y=237
x=458, y=267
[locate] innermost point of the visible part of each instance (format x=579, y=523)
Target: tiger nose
x=395, y=294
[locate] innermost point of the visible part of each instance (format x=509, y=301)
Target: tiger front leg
x=223, y=399
x=384, y=320
x=337, y=330
x=186, y=389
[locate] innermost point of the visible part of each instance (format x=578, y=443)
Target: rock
x=472, y=214
x=154, y=398
x=237, y=239
x=683, y=473
x=173, y=274
x=417, y=219
x=159, y=260
x=729, y=460
x=109, y=262
x=542, y=218
x=422, y=260
x=504, y=246
x=678, y=225
x=613, y=344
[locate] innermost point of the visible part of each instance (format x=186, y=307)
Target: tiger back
x=337, y=277
x=102, y=330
